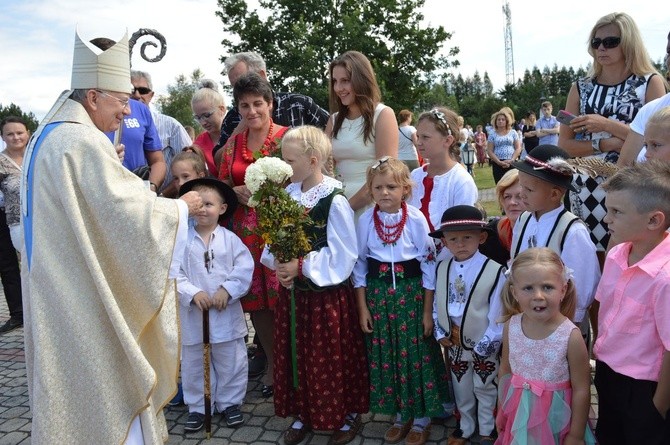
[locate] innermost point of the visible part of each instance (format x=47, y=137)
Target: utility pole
x=509, y=53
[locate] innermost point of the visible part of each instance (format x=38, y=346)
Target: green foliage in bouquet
x=281, y=219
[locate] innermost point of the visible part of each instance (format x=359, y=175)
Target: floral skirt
x=407, y=372
x=332, y=368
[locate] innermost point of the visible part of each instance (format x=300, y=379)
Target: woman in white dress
x=361, y=127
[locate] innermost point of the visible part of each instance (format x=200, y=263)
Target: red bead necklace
x=264, y=151
x=391, y=233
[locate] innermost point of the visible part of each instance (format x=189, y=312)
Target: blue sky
x=37, y=37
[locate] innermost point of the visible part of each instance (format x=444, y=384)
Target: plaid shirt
x=289, y=110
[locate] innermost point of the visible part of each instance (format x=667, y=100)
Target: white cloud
x=37, y=36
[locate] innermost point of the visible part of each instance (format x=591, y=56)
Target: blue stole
x=28, y=216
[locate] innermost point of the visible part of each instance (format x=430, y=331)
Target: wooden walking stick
x=208, y=386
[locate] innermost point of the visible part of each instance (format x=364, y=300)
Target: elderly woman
x=253, y=96
x=499, y=241
x=209, y=109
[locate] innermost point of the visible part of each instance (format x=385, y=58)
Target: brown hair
x=366, y=90
x=448, y=128
x=194, y=155
x=542, y=256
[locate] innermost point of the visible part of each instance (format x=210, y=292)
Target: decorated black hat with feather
x=549, y=163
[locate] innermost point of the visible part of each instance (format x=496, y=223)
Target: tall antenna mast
x=509, y=53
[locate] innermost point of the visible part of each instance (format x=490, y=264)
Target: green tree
x=177, y=103
x=299, y=38
x=15, y=110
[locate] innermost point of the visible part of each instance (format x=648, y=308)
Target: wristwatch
x=595, y=143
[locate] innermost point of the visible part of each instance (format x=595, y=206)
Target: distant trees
x=15, y=110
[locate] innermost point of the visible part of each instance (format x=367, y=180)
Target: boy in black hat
x=466, y=309
x=215, y=273
x=544, y=177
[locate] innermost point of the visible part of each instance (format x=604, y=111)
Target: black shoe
x=233, y=416
x=267, y=391
x=257, y=363
x=195, y=422
x=10, y=325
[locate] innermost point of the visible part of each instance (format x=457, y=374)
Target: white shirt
x=333, y=263
x=468, y=271
x=579, y=254
x=229, y=265
x=640, y=122
x=455, y=187
x=414, y=243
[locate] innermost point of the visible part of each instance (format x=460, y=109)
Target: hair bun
x=208, y=83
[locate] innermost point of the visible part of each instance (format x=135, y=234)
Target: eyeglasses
x=377, y=164
x=608, y=42
x=203, y=116
x=141, y=90
x=124, y=103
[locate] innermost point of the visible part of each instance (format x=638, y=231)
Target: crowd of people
x=410, y=303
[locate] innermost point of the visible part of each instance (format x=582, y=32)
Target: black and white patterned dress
x=619, y=102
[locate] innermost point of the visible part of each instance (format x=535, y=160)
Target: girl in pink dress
x=544, y=390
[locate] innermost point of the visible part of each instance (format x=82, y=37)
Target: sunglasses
x=141, y=90
x=608, y=42
x=203, y=116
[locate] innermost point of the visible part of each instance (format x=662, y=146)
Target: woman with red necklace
x=394, y=281
x=253, y=96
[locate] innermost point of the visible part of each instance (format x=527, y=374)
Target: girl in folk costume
x=394, y=280
x=466, y=312
x=442, y=182
x=332, y=371
x=545, y=374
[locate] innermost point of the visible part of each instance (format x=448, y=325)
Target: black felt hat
x=229, y=196
x=461, y=217
x=549, y=163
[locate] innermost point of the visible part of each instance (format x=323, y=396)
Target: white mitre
x=107, y=70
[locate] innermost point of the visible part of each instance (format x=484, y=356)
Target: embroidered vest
x=475, y=316
x=557, y=235
x=318, y=236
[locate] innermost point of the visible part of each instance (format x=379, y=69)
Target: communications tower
x=509, y=53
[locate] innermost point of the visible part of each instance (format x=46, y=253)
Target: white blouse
x=414, y=243
x=333, y=263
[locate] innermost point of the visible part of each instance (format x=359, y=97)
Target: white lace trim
x=312, y=196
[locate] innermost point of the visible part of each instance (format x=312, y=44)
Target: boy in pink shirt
x=633, y=345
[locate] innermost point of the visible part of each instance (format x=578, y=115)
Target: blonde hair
x=396, y=168
x=542, y=256
x=661, y=117
x=649, y=184
x=502, y=112
x=634, y=52
x=448, y=128
x=311, y=140
x=208, y=90
x=508, y=180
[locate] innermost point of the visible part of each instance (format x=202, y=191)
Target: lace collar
x=311, y=197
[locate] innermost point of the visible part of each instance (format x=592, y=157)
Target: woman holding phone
x=621, y=80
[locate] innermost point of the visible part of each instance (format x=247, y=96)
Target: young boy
x=215, y=273
x=544, y=177
x=466, y=308
x=633, y=346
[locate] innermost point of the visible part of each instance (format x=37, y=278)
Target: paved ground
x=261, y=426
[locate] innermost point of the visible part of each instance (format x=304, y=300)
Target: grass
x=484, y=181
